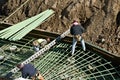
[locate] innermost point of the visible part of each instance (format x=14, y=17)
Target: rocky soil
x=100, y=18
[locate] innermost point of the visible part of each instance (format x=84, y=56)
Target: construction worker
x=77, y=30
x=40, y=43
x=30, y=72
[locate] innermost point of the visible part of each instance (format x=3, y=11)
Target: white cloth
x=20, y=78
x=41, y=40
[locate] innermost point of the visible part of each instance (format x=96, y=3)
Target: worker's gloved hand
x=8, y=75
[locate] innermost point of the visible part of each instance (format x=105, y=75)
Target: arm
x=71, y=30
x=9, y=75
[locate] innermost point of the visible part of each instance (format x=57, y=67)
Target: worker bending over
x=40, y=43
x=29, y=72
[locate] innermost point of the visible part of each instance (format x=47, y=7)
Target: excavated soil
x=100, y=18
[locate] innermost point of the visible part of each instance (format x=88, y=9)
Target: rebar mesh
x=58, y=64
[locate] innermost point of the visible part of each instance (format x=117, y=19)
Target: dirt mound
x=101, y=18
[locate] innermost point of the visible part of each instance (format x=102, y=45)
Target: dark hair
x=48, y=39
x=75, y=21
x=20, y=66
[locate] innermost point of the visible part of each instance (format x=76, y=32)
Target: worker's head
x=48, y=39
x=75, y=22
x=20, y=66
x=35, y=43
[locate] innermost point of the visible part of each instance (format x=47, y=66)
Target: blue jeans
x=75, y=42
